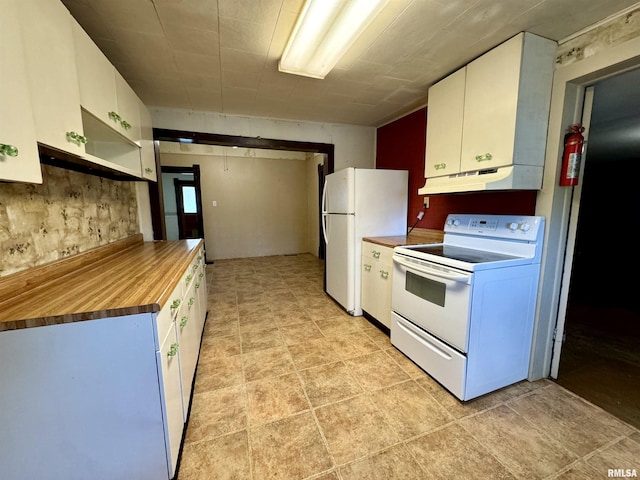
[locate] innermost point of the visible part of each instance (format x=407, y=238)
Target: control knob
x=525, y=227
x=513, y=226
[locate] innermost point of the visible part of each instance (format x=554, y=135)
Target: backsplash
x=68, y=213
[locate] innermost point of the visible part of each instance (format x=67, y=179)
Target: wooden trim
x=156, y=203
x=182, y=136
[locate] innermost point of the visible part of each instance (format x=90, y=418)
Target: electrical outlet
x=426, y=202
x=214, y=203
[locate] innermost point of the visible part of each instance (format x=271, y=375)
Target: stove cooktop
x=467, y=255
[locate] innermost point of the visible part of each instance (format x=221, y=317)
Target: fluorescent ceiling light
x=323, y=32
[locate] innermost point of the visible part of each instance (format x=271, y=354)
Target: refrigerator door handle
x=324, y=198
x=324, y=227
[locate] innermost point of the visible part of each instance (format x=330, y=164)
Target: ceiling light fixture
x=324, y=31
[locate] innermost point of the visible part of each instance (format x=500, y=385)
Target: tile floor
x=290, y=387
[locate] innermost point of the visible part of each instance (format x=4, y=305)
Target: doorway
x=600, y=360
x=189, y=216
x=182, y=202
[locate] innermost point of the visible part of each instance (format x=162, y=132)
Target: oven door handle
x=420, y=338
x=422, y=268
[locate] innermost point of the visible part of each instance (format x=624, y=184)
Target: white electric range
x=463, y=310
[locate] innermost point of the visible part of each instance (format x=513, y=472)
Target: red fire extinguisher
x=573, y=144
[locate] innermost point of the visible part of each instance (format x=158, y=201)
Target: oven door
x=434, y=297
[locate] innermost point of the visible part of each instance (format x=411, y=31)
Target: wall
x=67, y=214
x=354, y=145
x=261, y=195
x=401, y=145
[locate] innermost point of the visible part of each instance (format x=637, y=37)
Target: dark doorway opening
x=600, y=359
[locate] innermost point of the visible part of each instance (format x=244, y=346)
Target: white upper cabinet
x=128, y=109
x=444, y=125
x=147, y=149
x=19, y=160
x=505, y=111
x=96, y=78
x=51, y=70
x=103, y=91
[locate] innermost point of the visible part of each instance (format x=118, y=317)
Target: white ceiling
x=222, y=55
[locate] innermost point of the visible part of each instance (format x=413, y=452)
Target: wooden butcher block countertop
x=417, y=237
x=123, y=278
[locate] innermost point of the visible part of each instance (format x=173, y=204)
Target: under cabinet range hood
x=514, y=177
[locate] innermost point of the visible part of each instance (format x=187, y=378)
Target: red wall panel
x=401, y=145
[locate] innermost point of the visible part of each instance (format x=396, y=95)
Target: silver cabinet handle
x=483, y=158
x=384, y=274
x=375, y=254
x=367, y=267
x=440, y=166
x=183, y=321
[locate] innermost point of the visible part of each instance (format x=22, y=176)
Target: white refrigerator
x=358, y=203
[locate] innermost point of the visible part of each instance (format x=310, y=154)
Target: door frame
x=195, y=170
x=182, y=136
x=576, y=195
x=554, y=202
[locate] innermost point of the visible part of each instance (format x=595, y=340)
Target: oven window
x=425, y=288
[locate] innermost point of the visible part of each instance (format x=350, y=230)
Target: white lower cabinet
x=83, y=400
x=377, y=268
x=101, y=399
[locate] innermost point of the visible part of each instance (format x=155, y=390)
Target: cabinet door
x=444, y=125
x=51, y=69
x=367, y=282
x=96, y=78
x=384, y=282
x=147, y=150
x=168, y=361
x=491, y=102
x=376, y=281
x=128, y=109
x=367, y=285
x=189, y=340
x=19, y=160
